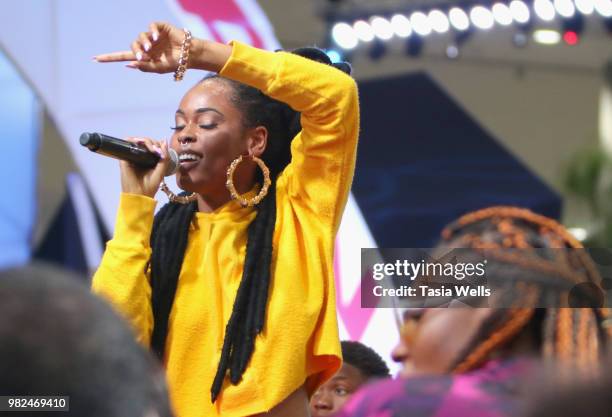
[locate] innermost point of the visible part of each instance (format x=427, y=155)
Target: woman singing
x=231, y=284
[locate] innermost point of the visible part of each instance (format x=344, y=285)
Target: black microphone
x=127, y=151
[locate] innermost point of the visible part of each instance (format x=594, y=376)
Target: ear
x=257, y=141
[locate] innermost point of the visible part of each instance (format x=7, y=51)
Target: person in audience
x=475, y=361
x=57, y=339
x=361, y=365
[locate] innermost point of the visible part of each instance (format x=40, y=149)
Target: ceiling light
x=438, y=21
x=482, y=17
x=420, y=23
x=547, y=36
x=459, y=19
x=520, y=11
x=344, y=36
x=401, y=25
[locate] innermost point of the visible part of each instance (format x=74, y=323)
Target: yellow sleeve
x=323, y=153
x=121, y=277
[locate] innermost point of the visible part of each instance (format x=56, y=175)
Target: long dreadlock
x=574, y=336
x=171, y=228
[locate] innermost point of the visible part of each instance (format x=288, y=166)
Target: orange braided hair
x=570, y=335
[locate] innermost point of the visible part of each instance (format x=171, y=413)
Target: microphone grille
x=174, y=162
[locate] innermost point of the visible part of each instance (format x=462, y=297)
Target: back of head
x=60, y=340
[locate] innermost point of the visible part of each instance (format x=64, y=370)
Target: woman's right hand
x=137, y=180
x=157, y=50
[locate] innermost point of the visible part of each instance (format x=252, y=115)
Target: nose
x=400, y=352
x=185, y=139
x=321, y=401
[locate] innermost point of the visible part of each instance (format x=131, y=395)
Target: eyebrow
x=201, y=110
x=415, y=313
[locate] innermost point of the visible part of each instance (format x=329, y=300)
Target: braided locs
x=572, y=336
x=171, y=228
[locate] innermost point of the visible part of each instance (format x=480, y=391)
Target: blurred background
x=465, y=104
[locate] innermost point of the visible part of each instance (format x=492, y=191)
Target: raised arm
x=323, y=153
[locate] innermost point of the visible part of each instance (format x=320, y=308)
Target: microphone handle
x=120, y=149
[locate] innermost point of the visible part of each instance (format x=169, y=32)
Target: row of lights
x=348, y=36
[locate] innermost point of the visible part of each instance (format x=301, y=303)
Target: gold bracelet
x=184, y=57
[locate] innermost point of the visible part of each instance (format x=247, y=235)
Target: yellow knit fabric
x=299, y=344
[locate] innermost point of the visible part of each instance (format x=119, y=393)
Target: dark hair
x=574, y=336
x=59, y=339
x=171, y=226
x=369, y=363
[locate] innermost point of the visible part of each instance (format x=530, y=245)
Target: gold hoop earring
x=181, y=199
x=232, y=189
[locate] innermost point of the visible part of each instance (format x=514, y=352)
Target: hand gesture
x=157, y=50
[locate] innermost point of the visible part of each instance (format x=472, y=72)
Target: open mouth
x=189, y=159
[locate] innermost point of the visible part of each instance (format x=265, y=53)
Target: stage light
x=382, y=28
x=565, y=8
x=420, y=23
x=572, y=28
x=544, y=9
x=571, y=38
x=585, y=7
x=334, y=55
x=344, y=36
x=363, y=30
x=459, y=19
x=502, y=14
x=520, y=39
x=604, y=7
x=546, y=36
x=520, y=11
x=401, y=25
x=482, y=17
x=452, y=51
x=438, y=21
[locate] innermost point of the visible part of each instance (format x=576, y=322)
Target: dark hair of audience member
x=60, y=340
x=365, y=359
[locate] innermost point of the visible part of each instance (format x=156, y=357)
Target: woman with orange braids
x=469, y=362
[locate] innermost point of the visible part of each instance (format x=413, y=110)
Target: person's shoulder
x=374, y=398
x=423, y=396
